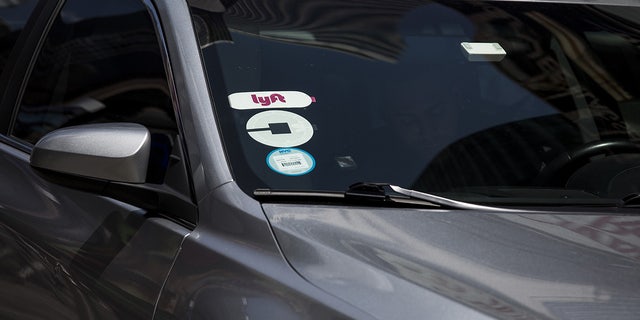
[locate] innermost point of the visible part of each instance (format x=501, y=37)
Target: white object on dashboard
x=483, y=51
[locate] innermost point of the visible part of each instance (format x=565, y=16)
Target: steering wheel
x=559, y=170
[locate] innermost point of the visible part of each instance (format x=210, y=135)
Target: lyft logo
x=270, y=100
x=267, y=100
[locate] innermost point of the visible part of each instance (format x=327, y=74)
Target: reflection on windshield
x=391, y=95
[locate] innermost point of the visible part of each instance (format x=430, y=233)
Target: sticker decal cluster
x=269, y=100
x=291, y=161
x=277, y=128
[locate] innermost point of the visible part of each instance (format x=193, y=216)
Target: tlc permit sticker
x=269, y=100
x=291, y=161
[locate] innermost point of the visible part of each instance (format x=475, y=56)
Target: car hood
x=440, y=264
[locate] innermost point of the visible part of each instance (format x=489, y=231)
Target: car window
x=98, y=63
x=468, y=99
x=101, y=62
x=13, y=17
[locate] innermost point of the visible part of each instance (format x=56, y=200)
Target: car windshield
x=481, y=101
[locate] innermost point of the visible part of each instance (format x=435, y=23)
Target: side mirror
x=116, y=152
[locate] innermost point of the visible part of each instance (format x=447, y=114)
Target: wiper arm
x=630, y=201
x=445, y=202
x=367, y=189
x=378, y=192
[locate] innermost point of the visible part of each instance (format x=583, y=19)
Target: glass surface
x=498, y=102
x=97, y=65
x=100, y=63
x=13, y=17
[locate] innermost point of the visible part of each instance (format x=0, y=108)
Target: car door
x=67, y=250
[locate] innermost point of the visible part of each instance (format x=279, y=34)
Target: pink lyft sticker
x=269, y=100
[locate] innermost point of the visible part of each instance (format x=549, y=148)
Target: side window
x=100, y=62
x=13, y=16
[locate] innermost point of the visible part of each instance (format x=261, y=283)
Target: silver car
x=319, y=159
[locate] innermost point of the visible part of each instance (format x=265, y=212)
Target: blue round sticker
x=291, y=161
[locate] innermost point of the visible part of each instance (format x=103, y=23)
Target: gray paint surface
x=76, y=255
x=304, y=261
x=206, y=154
x=393, y=262
x=231, y=268
x=88, y=151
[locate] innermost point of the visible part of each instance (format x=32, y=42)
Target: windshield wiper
x=382, y=193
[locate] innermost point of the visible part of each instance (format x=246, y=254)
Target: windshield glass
x=473, y=100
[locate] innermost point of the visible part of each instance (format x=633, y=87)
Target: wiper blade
x=359, y=195
x=268, y=193
x=378, y=192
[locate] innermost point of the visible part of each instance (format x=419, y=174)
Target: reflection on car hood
x=437, y=264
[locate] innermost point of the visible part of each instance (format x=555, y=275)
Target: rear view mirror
x=110, y=151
